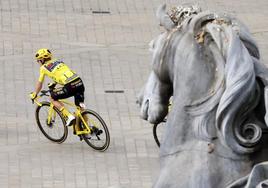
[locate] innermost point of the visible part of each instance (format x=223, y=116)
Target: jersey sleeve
x=42, y=75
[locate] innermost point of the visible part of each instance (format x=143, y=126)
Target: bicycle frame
x=78, y=114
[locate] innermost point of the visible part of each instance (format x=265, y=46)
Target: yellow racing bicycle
x=89, y=125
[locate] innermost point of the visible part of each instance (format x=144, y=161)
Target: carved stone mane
x=235, y=92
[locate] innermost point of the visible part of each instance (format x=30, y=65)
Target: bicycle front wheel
x=156, y=135
x=158, y=132
x=99, y=139
x=54, y=128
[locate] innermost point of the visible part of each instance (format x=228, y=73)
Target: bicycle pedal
x=99, y=132
x=80, y=137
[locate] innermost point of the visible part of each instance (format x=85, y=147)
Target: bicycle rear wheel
x=56, y=131
x=99, y=139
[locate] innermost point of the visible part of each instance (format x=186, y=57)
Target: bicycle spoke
x=54, y=130
x=99, y=138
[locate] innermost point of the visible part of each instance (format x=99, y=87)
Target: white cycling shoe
x=70, y=120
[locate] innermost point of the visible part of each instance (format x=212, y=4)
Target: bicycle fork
x=51, y=114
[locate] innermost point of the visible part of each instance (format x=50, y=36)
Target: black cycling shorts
x=75, y=88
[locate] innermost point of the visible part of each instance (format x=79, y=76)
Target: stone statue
x=216, y=128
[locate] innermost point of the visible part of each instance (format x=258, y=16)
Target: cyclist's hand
x=33, y=95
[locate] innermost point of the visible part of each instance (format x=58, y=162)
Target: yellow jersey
x=57, y=71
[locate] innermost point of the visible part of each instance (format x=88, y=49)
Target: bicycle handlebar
x=43, y=93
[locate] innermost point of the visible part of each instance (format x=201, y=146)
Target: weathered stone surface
x=210, y=64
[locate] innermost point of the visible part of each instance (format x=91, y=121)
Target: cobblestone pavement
x=109, y=51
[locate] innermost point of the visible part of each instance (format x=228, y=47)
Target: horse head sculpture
x=210, y=64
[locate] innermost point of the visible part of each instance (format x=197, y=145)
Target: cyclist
x=60, y=73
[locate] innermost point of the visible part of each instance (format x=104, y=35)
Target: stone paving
x=110, y=52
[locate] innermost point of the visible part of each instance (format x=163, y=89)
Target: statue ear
x=164, y=18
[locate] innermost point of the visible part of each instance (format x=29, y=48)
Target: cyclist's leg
x=79, y=89
x=56, y=103
x=79, y=97
x=62, y=93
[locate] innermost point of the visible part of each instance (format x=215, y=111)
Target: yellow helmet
x=42, y=54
